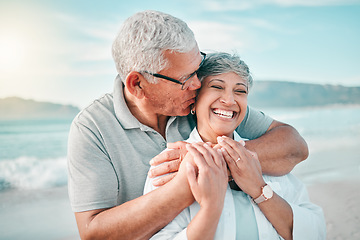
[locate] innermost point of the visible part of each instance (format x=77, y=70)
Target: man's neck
x=145, y=115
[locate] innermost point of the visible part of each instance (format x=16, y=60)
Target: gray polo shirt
x=109, y=150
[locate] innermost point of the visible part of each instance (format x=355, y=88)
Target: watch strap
x=262, y=197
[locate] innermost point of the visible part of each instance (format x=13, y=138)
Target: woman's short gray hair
x=143, y=39
x=221, y=62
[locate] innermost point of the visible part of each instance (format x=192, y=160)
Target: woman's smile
x=224, y=113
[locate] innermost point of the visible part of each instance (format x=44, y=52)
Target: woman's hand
x=245, y=169
x=244, y=166
x=208, y=176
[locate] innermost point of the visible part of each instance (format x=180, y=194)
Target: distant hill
x=291, y=94
x=18, y=108
x=263, y=94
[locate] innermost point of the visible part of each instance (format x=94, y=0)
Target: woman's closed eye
x=216, y=86
x=240, y=91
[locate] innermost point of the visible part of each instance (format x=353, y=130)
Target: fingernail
x=155, y=182
x=220, y=139
x=150, y=174
x=151, y=162
x=242, y=143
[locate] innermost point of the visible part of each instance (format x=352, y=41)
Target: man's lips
x=190, y=101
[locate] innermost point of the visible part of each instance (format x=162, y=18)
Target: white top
x=308, y=218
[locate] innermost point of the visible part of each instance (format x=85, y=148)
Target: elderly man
x=112, y=141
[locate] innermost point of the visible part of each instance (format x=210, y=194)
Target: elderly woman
x=252, y=205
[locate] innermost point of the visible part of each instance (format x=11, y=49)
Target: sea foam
x=32, y=173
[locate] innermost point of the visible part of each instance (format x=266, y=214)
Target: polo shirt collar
x=122, y=112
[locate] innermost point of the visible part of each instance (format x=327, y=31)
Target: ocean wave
x=33, y=173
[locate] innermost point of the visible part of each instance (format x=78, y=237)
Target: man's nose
x=195, y=83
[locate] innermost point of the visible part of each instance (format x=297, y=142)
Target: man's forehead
x=182, y=62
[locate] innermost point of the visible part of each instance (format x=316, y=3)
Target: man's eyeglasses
x=184, y=84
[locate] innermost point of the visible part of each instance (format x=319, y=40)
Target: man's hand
x=167, y=162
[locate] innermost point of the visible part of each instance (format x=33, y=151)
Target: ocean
x=333, y=138
x=33, y=153
x=33, y=168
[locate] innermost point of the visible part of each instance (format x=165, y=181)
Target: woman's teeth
x=223, y=113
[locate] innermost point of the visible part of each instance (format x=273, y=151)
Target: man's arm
x=279, y=149
x=139, y=218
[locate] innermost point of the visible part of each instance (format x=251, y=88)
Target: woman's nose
x=227, y=98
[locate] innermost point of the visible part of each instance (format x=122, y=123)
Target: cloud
x=217, y=36
x=231, y=36
x=87, y=40
x=234, y=5
x=312, y=3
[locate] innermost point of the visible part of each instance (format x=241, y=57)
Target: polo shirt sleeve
x=92, y=181
x=254, y=125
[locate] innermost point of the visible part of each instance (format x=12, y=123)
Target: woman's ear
x=133, y=84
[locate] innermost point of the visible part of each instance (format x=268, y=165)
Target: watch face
x=267, y=191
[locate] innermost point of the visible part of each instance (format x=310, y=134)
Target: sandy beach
x=340, y=203
x=37, y=214
x=46, y=214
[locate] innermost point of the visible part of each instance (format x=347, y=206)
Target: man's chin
x=184, y=112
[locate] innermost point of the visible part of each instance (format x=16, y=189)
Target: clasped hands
x=205, y=165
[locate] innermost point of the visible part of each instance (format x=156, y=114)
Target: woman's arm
x=246, y=171
x=207, y=178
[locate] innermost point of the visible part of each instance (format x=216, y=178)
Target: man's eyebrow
x=187, y=76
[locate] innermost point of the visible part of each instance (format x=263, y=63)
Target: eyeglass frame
x=177, y=81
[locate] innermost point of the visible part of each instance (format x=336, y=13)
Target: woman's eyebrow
x=220, y=80
x=216, y=79
x=242, y=84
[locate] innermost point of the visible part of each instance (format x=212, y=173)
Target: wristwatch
x=266, y=194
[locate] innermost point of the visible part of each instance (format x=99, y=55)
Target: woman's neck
x=210, y=136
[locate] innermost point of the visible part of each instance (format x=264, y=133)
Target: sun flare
x=11, y=52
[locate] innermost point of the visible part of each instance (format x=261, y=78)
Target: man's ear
x=133, y=83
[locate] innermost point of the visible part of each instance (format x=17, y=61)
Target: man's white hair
x=143, y=39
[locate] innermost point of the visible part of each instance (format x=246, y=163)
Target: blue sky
x=59, y=51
